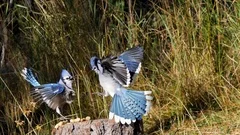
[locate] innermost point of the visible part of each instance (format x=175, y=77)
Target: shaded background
x=191, y=58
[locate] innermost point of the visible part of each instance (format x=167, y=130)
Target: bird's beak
x=73, y=77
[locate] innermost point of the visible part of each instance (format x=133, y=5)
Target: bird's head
x=95, y=64
x=66, y=79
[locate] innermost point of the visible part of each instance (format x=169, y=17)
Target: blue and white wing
x=51, y=94
x=132, y=59
x=118, y=70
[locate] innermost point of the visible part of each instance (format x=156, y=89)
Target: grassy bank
x=191, y=58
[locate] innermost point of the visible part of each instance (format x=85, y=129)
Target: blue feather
x=141, y=105
x=132, y=58
x=30, y=78
x=129, y=104
x=133, y=54
x=93, y=61
x=132, y=65
x=128, y=114
x=138, y=95
x=65, y=73
x=51, y=88
x=121, y=109
x=115, y=104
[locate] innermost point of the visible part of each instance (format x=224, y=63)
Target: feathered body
x=55, y=95
x=116, y=73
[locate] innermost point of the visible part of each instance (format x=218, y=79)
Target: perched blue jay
x=54, y=95
x=116, y=73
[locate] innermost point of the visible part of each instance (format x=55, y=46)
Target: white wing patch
x=139, y=68
x=128, y=79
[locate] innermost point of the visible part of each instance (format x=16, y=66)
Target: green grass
x=191, y=60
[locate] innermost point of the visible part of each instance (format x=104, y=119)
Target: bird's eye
x=94, y=67
x=68, y=78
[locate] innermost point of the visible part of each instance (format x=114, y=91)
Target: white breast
x=109, y=84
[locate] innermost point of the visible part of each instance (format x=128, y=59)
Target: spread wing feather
x=117, y=69
x=132, y=59
x=47, y=93
x=134, y=54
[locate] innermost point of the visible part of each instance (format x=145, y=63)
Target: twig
x=5, y=41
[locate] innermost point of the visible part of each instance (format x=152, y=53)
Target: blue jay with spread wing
x=55, y=95
x=116, y=73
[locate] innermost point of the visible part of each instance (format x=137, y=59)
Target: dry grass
x=209, y=123
x=191, y=60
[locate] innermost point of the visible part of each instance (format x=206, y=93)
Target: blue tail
x=130, y=105
x=28, y=76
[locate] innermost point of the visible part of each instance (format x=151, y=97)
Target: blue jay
x=116, y=73
x=55, y=95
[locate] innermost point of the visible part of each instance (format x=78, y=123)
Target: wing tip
x=147, y=92
x=24, y=73
x=138, y=68
x=118, y=119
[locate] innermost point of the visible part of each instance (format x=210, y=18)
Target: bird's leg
x=104, y=93
x=62, y=117
x=99, y=93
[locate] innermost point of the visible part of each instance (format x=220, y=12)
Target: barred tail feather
x=28, y=76
x=130, y=105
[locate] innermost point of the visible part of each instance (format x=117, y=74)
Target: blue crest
x=93, y=61
x=65, y=73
